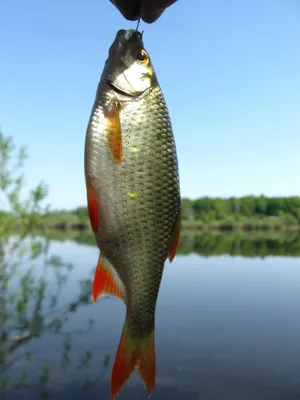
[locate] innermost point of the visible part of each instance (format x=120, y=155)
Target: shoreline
x=186, y=227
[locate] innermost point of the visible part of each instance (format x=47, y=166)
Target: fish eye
x=142, y=56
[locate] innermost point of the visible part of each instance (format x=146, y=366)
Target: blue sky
x=229, y=72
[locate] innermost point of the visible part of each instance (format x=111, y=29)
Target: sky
x=230, y=73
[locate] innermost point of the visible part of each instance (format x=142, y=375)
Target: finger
x=130, y=9
x=148, y=10
x=152, y=9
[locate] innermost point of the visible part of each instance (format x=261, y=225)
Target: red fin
x=106, y=281
x=133, y=353
x=93, y=207
x=113, y=131
x=175, y=238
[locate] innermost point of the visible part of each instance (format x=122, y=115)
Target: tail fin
x=133, y=353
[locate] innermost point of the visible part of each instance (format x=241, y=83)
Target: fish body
x=133, y=196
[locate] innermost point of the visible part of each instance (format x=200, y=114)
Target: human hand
x=147, y=10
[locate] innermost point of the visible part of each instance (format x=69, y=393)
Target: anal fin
x=106, y=281
x=174, y=241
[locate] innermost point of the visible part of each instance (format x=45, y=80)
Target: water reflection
x=32, y=308
x=242, y=244
x=233, y=336
x=246, y=244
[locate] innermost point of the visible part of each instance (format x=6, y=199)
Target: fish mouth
x=127, y=96
x=122, y=92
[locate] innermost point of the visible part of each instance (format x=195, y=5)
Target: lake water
x=227, y=328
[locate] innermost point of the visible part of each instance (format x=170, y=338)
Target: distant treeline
x=208, y=209
x=247, y=213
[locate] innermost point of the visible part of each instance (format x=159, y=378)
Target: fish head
x=128, y=69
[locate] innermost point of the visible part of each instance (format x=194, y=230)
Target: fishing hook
x=138, y=24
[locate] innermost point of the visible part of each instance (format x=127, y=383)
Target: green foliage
x=82, y=213
x=247, y=212
x=61, y=219
x=24, y=212
x=209, y=210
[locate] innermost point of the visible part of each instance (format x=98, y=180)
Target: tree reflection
x=32, y=280
x=31, y=308
x=213, y=243
x=256, y=244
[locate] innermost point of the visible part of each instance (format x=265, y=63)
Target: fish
x=133, y=198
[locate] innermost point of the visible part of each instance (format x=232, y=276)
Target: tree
x=28, y=306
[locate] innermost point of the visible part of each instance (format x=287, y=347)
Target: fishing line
x=138, y=24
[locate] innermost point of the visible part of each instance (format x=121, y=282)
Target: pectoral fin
x=106, y=281
x=175, y=238
x=113, y=130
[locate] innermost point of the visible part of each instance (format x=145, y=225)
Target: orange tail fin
x=133, y=353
